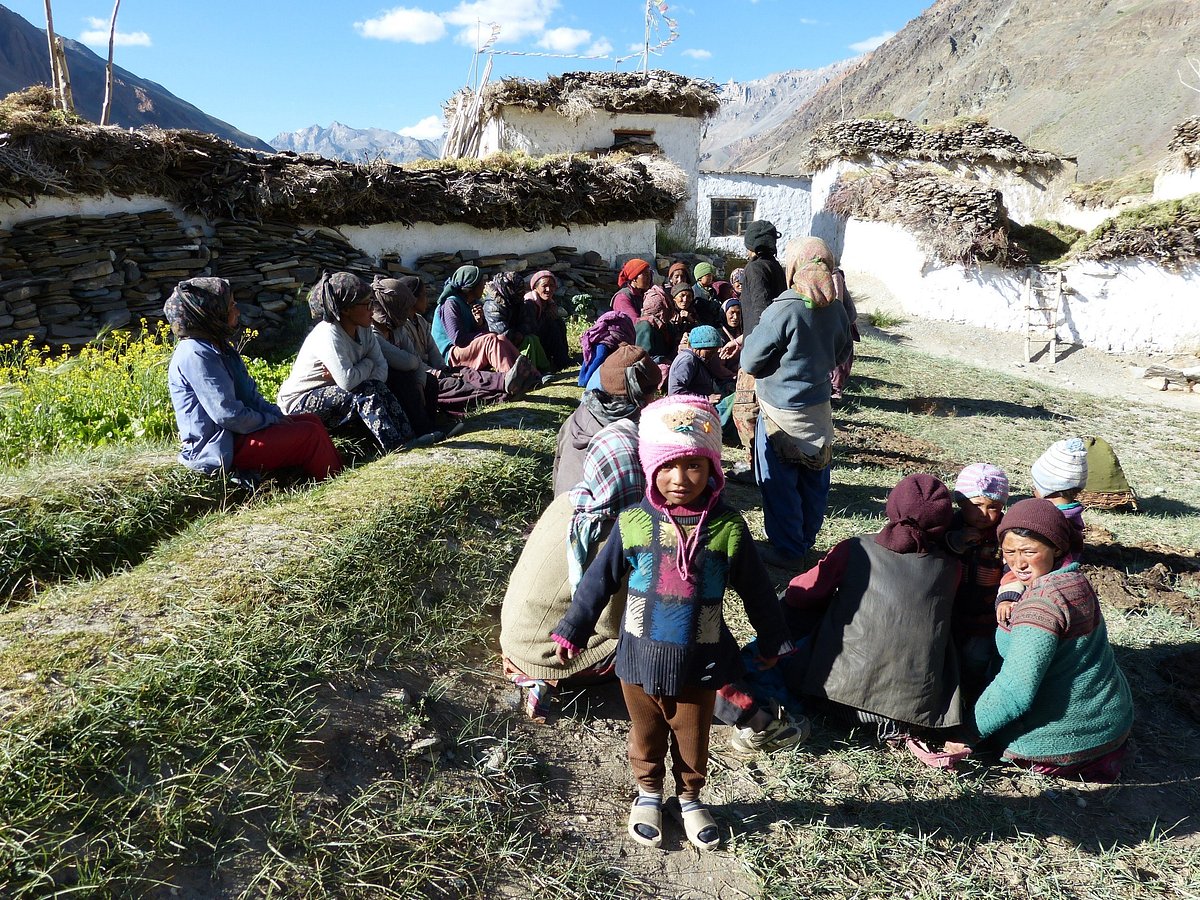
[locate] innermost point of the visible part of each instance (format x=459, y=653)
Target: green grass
x=1110, y=191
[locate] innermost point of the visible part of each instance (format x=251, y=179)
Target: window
x=730, y=217
x=636, y=138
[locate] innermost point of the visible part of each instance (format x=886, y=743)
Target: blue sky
x=267, y=66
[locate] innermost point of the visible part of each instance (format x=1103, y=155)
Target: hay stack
x=969, y=140
x=575, y=94
x=958, y=221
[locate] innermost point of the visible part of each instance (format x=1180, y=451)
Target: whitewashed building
x=727, y=201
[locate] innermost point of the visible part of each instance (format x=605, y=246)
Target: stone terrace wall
x=65, y=278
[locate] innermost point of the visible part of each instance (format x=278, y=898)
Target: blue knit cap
x=704, y=337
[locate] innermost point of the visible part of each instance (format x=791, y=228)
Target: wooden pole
x=108, y=74
x=55, y=85
x=64, y=75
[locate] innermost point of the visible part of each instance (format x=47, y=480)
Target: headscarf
x=544, y=273
x=199, y=308
x=761, y=237
x=391, y=303
x=677, y=267
x=464, y=279
x=631, y=270
x=723, y=291
x=333, y=294
x=702, y=269
x=611, y=330
x=919, y=511
x=809, y=271
x=737, y=277
x=656, y=307
x=414, y=284
x=508, y=286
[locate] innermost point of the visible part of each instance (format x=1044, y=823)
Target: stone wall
x=64, y=278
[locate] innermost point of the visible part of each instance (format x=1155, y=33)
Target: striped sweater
x=673, y=634
x=1060, y=697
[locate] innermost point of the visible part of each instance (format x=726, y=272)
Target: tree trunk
x=108, y=73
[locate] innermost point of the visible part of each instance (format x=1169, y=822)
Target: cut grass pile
x=229, y=717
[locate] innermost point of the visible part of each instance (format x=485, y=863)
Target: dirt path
x=1077, y=368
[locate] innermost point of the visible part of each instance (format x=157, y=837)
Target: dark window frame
x=731, y=217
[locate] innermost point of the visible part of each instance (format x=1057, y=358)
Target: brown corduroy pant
x=745, y=411
x=653, y=721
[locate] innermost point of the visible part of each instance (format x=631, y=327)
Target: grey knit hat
x=1061, y=468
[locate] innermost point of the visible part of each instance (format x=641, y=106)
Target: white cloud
x=428, y=129
x=416, y=26
x=97, y=34
x=564, y=40
x=695, y=53
x=872, y=42
x=602, y=47
x=518, y=19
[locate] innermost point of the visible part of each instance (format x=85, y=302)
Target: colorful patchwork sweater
x=1060, y=697
x=673, y=634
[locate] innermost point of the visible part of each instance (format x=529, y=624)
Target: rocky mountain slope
x=340, y=141
x=136, y=101
x=1093, y=79
x=752, y=108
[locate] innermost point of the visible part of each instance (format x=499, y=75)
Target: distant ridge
x=340, y=141
x=136, y=101
x=1092, y=79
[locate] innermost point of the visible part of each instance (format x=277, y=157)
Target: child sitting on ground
x=980, y=492
x=676, y=552
x=1058, y=475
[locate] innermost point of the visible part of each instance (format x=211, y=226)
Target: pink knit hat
x=674, y=427
x=982, y=480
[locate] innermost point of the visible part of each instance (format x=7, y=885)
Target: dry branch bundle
x=575, y=94
x=212, y=177
x=958, y=221
x=1185, y=146
x=1167, y=233
x=971, y=140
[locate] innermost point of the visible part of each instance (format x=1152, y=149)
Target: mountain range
x=136, y=101
x=1097, y=80
x=340, y=141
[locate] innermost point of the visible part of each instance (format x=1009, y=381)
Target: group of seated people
x=373, y=364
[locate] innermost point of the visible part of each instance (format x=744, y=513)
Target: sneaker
x=456, y=429
x=783, y=731
x=424, y=440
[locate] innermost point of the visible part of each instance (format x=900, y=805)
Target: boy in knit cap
x=708, y=307
x=692, y=370
x=1058, y=475
x=980, y=491
x=676, y=553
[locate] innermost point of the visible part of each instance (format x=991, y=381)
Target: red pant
x=299, y=440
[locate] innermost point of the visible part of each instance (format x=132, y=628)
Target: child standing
x=677, y=551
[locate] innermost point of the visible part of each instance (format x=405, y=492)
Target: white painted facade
x=539, y=132
x=1121, y=307
x=13, y=213
x=610, y=241
x=784, y=200
x=1172, y=184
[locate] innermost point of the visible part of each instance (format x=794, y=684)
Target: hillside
x=136, y=101
x=1094, y=79
x=340, y=141
x=752, y=108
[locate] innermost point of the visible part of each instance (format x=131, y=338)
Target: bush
x=112, y=391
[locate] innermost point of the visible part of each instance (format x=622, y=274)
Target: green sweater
x=1060, y=697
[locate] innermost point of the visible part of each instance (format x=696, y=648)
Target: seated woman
x=463, y=342
x=634, y=279
x=695, y=371
x=684, y=314
x=677, y=274
x=459, y=388
x=508, y=315
x=731, y=329
x=610, y=331
x=877, y=613
x=391, y=306
x=224, y=422
x=655, y=331
x=564, y=542
x=1060, y=705
x=628, y=381
x=544, y=316
x=340, y=374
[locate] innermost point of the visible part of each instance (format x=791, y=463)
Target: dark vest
x=885, y=645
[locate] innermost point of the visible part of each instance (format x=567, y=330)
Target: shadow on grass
x=1135, y=558
x=958, y=407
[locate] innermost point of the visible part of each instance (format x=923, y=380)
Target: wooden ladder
x=1043, y=309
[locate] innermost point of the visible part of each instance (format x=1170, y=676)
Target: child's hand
x=562, y=654
x=1004, y=612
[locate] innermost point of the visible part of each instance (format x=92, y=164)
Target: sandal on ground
x=645, y=820
x=946, y=758
x=698, y=823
